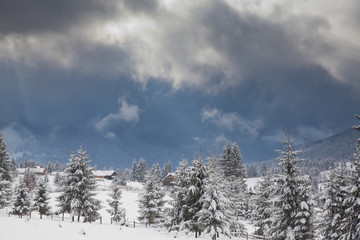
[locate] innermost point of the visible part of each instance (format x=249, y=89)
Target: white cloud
x=126, y=113
x=232, y=121
x=110, y=135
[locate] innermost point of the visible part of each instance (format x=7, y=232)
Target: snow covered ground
x=14, y=228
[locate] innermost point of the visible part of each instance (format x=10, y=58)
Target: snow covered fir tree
x=263, y=205
x=292, y=216
x=41, y=199
x=151, y=201
x=77, y=197
x=22, y=202
x=215, y=215
x=5, y=176
x=117, y=212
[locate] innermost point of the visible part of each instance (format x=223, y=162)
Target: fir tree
x=334, y=211
x=30, y=179
x=214, y=216
x=166, y=170
x=351, y=222
x=178, y=195
x=22, y=203
x=226, y=159
x=77, y=198
x=5, y=177
x=117, y=213
x=293, y=214
x=134, y=176
x=263, y=206
x=151, y=202
x=141, y=170
x=41, y=199
x=196, y=189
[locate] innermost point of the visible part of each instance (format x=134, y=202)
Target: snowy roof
x=33, y=170
x=99, y=173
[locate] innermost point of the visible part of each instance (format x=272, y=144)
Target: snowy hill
x=338, y=147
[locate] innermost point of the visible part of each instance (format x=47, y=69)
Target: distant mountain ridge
x=338, y=147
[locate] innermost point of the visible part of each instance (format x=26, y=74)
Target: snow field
x=15, y=228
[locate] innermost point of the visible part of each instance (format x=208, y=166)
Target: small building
x=36, y=170
x=104, y=174
x=169, y=180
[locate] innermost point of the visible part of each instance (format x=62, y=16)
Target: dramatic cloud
x=127, y=113
x=206, y=44
x=232, y=121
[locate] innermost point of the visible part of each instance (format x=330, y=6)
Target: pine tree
x=77, y=198
x=134, y=176
x=178, y=195
x=5, y=177
x=214, y=216
x=263, y=206
x=334, y=211
x=155, y=170
x=30, y=179
x=237, y=164
x=41, y=199
x=117, y=213
x=166, y=170
x=141, y=170
x=151, y=202
x=351, y=222
x=196, y=189
x=251, y=171
x=22, y=203
x=226, y=159
x=293, y=216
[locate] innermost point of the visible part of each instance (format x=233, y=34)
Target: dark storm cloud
x=21, y=16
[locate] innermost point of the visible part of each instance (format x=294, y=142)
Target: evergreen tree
x=141, y=170
x=155, y=171
x=77, y=198
x=178, y=195
x=237, y=164
x=251, y=171
x=166, y=170
x=196, y=189
x=117, y=213
x=334, y=211
x=13, y=165
x=41, y=199
x=263, y=206
x=151, y=201
x=5, y=177
x=226, y=159
x=22, y=203
x=134, y=176
x=29, y=179
x=215, y=216
x=293, y=215
x=351, y=222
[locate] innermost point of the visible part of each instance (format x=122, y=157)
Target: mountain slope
x=338, y=147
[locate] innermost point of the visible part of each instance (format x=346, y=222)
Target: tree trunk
x=196, y=234
x=78, y=218
x=40, y=216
